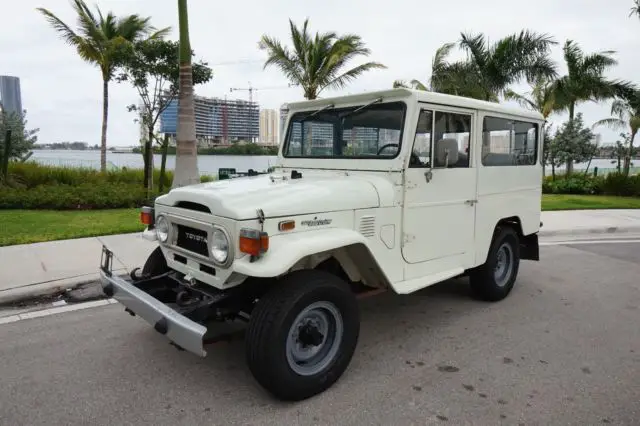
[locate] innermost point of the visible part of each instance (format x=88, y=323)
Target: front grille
x=194, y=240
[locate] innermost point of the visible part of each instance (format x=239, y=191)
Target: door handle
x=471, y=202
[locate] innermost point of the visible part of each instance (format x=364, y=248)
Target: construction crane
x=252, y=89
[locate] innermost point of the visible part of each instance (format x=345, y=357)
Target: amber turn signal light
x=286, y=225
x=253, y=241
x=146, y=216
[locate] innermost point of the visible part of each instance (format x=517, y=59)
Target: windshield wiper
x=375, y=101
x=319, y=111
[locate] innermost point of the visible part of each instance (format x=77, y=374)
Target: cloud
x=63, y=94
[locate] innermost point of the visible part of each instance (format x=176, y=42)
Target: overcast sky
x=62, y=94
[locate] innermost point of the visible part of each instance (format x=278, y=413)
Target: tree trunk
x=148, y=160
x=163, y=162
x=105, y=116
x=572, y=107
x=627, y=157
x=186, y=171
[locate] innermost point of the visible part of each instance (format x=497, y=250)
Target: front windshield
x=374, y=131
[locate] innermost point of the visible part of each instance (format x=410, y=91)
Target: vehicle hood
x=240, y=198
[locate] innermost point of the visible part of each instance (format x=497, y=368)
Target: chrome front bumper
x=182, y=331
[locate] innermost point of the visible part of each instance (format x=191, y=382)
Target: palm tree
x=97, y=40
x=540, y=99
x=635, y=10
x=585, y=81
x=451, y=78
x=626, y=115
x=317, y=62
x=489, y=70
x=186, y=172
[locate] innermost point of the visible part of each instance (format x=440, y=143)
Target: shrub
x=32, y=174
x=619, y=184
x=578, y=184
x=34, y=186
x=67, y=197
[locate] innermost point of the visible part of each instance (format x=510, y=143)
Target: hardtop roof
x=419, y=96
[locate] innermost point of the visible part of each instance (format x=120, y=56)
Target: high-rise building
x=269, y=127
x=284, y=112
x=10, y=95
x=217, y=120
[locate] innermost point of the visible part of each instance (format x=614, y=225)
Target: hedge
x=611, y=184
x=34, y=186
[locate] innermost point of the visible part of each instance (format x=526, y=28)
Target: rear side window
x=507, y=142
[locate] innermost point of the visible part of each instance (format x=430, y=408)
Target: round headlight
x=219, y=246
x=162, y=229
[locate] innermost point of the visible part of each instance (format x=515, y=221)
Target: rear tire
x=302, y=334
x=494, y=280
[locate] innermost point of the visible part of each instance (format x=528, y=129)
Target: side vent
x=368, y=226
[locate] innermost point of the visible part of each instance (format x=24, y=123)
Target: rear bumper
x=179, y=329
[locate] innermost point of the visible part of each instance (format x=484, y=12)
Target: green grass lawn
x=31, y=226
x=588, y=202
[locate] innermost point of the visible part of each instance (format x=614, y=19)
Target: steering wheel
x=385, y=146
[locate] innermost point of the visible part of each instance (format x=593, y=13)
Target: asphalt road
x=564, y=348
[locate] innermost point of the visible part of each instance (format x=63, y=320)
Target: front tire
x=302, y=334
x=494, y=280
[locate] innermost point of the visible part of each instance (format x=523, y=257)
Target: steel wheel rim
x=308, y=352
x=504, y=265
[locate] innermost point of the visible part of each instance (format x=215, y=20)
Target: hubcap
x=504, y=265
x=314, y=338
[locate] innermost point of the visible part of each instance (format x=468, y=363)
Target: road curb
x=601, y=230
x=46, y=289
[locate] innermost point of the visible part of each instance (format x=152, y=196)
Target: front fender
x=285, y=250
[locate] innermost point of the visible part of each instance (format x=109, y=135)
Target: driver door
x=440, y=193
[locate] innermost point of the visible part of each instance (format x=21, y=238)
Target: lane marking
x=576, y=242
x=56, y=310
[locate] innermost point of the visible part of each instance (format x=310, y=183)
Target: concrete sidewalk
x=33, y=270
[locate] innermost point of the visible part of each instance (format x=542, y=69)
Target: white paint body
x=389, y=226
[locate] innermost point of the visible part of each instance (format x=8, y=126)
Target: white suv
x=392, y=190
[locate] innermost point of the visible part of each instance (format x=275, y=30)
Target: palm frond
x=522, y=100
x=475, y=47
x=341, y=81
x=612, y=123
x=400, y=84
x=281, y=57
x=60, y=27
x=635, y=10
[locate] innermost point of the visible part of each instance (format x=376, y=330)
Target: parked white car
x=392, y=190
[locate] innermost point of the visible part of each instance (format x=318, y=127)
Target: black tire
x=485, y=285
x=156, y=264
x=269, y=328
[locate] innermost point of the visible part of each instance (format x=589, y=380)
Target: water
x=207, y=164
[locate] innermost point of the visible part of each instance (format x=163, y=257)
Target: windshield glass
x=375, y=131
